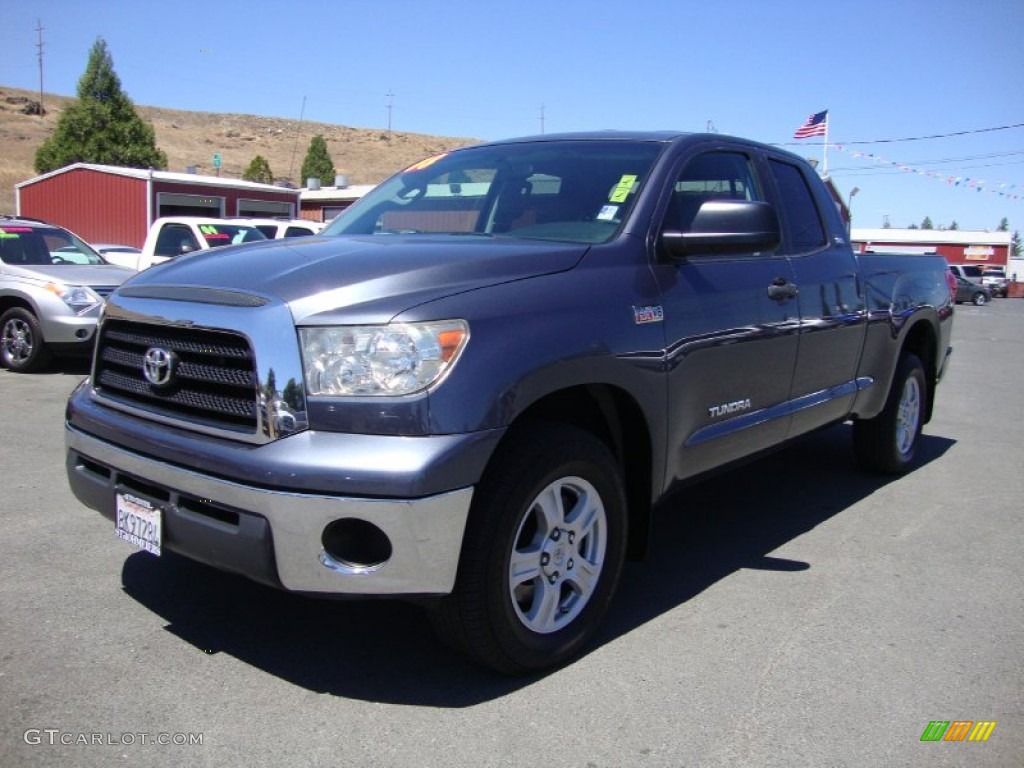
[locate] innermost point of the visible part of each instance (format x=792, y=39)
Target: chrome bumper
x=425, y=534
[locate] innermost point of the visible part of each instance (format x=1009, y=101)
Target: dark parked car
x=973, y=292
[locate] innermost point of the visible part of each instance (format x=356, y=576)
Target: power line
x=917, y=138
x=854, y=171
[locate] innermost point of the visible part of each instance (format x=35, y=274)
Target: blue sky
x=884, y=70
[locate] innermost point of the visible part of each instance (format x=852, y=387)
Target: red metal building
x=959, y=246
x=108, y=204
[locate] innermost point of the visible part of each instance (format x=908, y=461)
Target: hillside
x=191, y=138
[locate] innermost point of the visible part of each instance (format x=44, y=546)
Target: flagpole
x=824, y=150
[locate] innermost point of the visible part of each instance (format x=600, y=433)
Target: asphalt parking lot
x=792, y=612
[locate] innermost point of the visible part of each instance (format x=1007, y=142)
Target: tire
x=542, y=554
x=888, y=442
x=979, y=299
x=21, y=343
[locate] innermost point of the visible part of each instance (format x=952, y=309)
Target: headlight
x=79, y=297
x=394, y=359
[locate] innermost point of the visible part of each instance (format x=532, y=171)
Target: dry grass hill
x=366, y=156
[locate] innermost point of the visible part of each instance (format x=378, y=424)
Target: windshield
x=570, y=191
x=25, y=246
x=229, y=234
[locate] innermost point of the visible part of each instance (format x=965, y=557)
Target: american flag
x=816, y=125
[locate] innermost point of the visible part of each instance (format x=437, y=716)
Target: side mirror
x=723, y=227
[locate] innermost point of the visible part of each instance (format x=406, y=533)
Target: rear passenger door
x=832, y=319
x=731, y=324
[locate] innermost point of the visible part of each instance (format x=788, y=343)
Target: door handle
x=782, y=289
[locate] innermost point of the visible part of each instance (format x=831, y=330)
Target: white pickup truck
x=177, y=235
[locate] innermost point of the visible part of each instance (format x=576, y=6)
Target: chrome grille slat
x=194, y=371
x=214, y=382
x=182, y=343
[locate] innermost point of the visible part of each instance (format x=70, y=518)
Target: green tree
x=318, y=163
x=954, y=225
x=927, y=223
x=259, y=170
x=912, y=226
x=102, y=125
x=1015, y=246
x=1004, y=225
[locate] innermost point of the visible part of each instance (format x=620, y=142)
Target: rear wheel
x=21, y=342
x=542, y=554
x=887, y=443
x=979, y=298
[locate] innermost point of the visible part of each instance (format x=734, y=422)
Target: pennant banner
x=1003, y=189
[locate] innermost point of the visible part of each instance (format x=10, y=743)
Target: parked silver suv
x=996, y=281
x=52, y=287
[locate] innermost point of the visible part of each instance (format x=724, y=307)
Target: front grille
x=213, y=383
x=103, y=290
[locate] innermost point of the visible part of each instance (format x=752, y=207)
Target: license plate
x=138, y=522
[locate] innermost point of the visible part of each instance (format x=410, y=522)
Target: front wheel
x=979, y=299
x=888, y=442
x=21, y=342
x=542, y=554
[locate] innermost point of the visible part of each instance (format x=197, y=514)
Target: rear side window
x=802, y=220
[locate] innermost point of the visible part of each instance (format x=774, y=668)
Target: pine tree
x=1015, y=246
x=259, y=170
x=318, y=163
x=927, y=223
x=102, y=125
x=1004, y=225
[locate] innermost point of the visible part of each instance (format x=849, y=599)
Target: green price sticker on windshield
x=623, y=188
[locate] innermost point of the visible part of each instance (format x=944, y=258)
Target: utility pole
x=542, y=119
x=39, y=46
x=391, y=105
x=295, y=146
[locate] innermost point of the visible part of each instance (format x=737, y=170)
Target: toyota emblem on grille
x=158, y=366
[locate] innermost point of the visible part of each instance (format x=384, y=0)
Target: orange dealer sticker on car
x=425, y=163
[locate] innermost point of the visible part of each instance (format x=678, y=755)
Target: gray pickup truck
x=474, y=386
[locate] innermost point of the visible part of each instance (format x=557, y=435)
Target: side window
x=297, y=232
x=805, y=231
x=171, y=239
x=711, y=176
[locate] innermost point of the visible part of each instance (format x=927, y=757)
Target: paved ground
x=792, y=613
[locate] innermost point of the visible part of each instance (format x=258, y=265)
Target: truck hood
x=368, y=278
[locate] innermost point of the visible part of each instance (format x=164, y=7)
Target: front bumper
x=68, y=329
x=275, y=536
